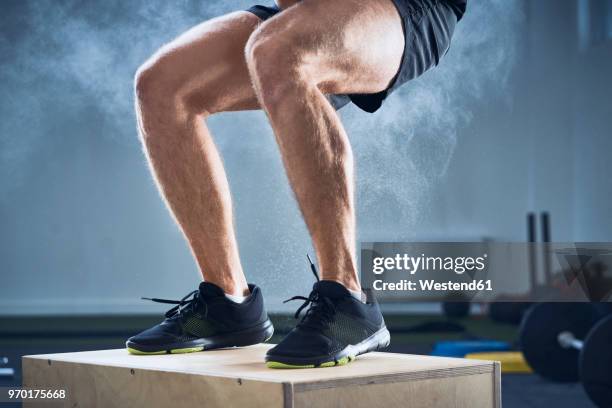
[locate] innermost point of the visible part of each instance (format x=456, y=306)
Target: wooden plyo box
x=239, y=378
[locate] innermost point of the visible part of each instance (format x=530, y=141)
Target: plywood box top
x=248, y=363
x=239, y=378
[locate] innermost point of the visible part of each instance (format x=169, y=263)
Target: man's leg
x=314, y=48
x=201, y=72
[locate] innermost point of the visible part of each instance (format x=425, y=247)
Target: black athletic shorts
x=428, y=27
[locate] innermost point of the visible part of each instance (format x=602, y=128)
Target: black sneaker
x=205, y=319
x=335, y=329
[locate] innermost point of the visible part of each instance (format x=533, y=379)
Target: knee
x=158, y=102
x=151, y=82
x=154, y=86
x=275, y=65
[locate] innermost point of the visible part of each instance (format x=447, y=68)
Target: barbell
x=550, y=338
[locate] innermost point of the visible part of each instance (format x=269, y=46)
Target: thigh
x=346, y=46
x=206, y=65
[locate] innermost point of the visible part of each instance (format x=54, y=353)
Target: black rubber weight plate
x=538, y=337
x=596, y=363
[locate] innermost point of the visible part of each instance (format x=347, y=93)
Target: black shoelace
x=187, y=303
x=322, y=309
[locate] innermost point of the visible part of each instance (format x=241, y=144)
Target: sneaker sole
x=379, y=340
x=248, y=337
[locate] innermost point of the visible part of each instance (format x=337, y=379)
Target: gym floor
x=38, y=335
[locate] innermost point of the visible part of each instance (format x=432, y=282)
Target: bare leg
x=202, y=72
x=313, y=48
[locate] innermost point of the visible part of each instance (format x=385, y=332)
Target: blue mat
x=463, y=347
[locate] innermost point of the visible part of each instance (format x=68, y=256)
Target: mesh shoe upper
x=206, y=313
x=334, y=320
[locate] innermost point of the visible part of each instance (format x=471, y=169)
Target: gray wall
x=515, y=118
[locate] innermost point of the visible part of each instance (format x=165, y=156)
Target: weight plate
x=538, y=338
x=603, y=309
x=596, y=363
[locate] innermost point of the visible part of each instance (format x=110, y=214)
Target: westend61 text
x=431, y=285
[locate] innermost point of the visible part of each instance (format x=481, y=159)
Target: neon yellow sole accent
x=144, y=353
x=187, y=350
x=342, y=361
x=156, y=353
x=278, y=364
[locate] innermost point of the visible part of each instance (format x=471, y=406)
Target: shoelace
x=321, y=310
x=182, y=305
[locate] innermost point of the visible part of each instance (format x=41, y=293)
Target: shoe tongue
x=331, y=289
x=210, y=290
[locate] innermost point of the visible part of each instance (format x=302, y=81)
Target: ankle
x=230, y=287
x=351, y=284
x=342, y=271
